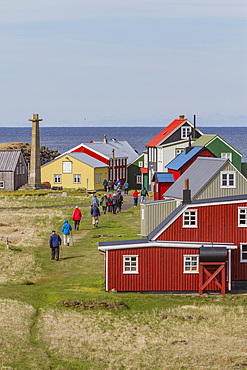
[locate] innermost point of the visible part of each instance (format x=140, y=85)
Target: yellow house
x=75, y=170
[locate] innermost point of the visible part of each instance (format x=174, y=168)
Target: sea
x=65, y=138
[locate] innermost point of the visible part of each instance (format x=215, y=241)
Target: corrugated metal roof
x=164, y=177
x=166, y=132
x=9, y=159
x=122, y=242
x=122, y=149
x=204, y=140
x=88, y=160
x=183, y=158
x=199, y=173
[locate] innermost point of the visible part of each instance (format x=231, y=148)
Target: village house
x=208, y=177
x=13, y=170
x=137, y=172
x=201, y=246
x=116, y=154
x=75, y=170
x=170, y=142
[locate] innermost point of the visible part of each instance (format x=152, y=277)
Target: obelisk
x=34, y=173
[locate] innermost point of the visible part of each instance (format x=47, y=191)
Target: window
x=17, y=170
x=139, y=179
x=191, y=264
x=178, y=151
x=1, y=184
x=96, y=178
x=120, y=173
x=226, y=156
x=157, y=187
x=106, y=175
x=57, y=179
x=228, y=179
x=130, y=264
x=77, y=179
x=140, y=164
x=243, y=252
x=124, y=173
x=110, y=174
x=190, y=218
x=117, y=173
x=185, y=131
x=242, y=216
x=67, y=167
x=120, y=162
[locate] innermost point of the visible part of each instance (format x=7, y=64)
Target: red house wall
x=160, y=269
x=215, y=224
x=176, y=174
x=162, y=188
x=203, y=153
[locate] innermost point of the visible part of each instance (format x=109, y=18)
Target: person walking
x=119, y=202
x=104, y=203
x=95, y=200
x=109, y=186
x=109, y=203
x=77, y=217
x=144, y=193
x=95, y=212
x=66, y=229
x=114, y=203
x=126, y=187
x=118, y=183
x=55, y=242
x=105, y=184
x=135, y=196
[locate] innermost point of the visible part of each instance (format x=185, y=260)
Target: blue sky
x=123, y=63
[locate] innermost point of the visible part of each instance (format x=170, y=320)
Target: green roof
x=203, y=140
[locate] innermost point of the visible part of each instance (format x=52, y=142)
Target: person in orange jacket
x=77, y=217
x=135, y=196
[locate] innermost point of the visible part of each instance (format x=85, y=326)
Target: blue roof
x=183, y=158
x=164, y=177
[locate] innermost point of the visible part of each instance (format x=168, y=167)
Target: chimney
x=105, y=139
x=181, y=116
x=194, y=130
x=186, y=193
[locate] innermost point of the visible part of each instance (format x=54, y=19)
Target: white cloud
x=12, y=11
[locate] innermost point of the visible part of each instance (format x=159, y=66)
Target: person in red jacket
x=135, y=196
x=77, y=217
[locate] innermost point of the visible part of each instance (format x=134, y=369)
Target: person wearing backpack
x=126, y=187
x=104, y=203
x=144, y=193
x=109, y=203
x=114, y=203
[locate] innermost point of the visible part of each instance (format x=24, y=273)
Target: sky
x=123, y=63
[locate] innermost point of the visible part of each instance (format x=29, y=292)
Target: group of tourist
x=109, y=185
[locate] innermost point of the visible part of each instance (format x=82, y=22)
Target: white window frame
x=185, y=132
x=227, y=155
x=1, y=184
x=140, y=164
x=120, y=173
x=96, y=178
x=124, y=173
x=178, y=151
x=117, y=173
x=127, y=259
x=188, y=218
x=191, y=258
x=244, y=260
x=227, y=174
x=58, y=177
x=139, y=179
x=242, y=211
x=77, y=178
x=67, y=167
x=120, y=162
x=157, y=187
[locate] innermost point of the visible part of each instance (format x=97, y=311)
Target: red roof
x=166, y=132
x=144, y=170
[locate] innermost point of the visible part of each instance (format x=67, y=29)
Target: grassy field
x=57, y=315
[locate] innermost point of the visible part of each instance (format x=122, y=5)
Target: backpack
x=110, y=200
x=114, y=200
x=143, y=192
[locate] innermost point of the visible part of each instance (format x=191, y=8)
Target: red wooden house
x=162, y=182
x=172, y=258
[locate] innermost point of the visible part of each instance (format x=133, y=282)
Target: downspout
x=113, y=173
x=229, y=270
x=106, y=271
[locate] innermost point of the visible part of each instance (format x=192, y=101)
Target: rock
x=114, y=290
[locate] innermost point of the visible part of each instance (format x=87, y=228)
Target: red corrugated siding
x=217, y=224
x=160, y=269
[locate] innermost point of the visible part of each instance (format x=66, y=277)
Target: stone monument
x=34, y=171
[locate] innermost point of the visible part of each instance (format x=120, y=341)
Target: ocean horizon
x=65, y=138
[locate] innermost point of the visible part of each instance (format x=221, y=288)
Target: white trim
x=242, y=225
x=2, y=181
x=194, y=206
x=190, y=226
x=186, y=128
x=228, y=173
x=137, y=266
x=241, y=259
x=229, y=269
x=197, y=264
x=228, y=155
x=106, y=272
x=168, y=244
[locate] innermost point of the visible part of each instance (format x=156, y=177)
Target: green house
x=138, y=172
x=220, y=148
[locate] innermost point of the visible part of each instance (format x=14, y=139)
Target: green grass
x=131, y=330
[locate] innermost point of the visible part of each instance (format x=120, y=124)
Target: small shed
x=162, y=182
x=13, y=169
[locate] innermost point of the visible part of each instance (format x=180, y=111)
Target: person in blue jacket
x=95, y=200
x=118, y=183
x=66, y=229
x=55, y=242
x=95, y=212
